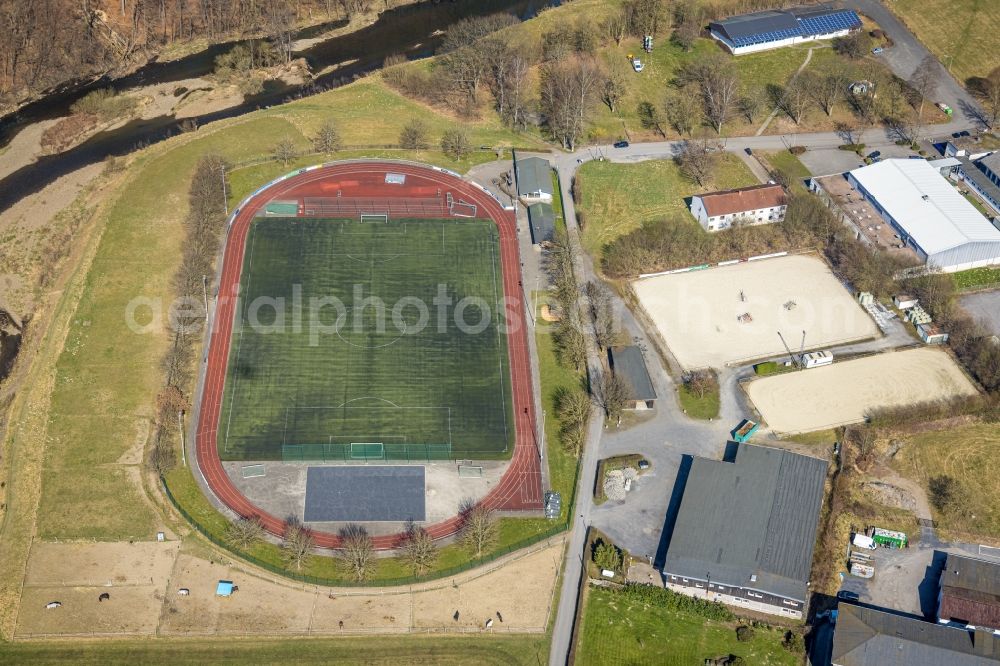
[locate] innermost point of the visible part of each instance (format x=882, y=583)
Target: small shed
x=224, y=588
x=542, y=221
x=534, y=179
x=628, y=363
x=904, y=301
x=931, y=334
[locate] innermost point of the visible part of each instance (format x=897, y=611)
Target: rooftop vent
x=926, y=197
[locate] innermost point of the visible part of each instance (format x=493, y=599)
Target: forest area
x=46, y=43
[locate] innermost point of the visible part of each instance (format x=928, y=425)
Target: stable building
x=772, y=29
x=931, y=217
x=867, y=636
x=970, y=593
x=760, y=204
x=629, y=364
x=745, y=530
x=534, y=180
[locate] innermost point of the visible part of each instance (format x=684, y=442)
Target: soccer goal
x=374, y=218
x=367, y=451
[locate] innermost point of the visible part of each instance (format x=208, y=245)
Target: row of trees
x=204, y=223
x=356, y=554
x=47, y=42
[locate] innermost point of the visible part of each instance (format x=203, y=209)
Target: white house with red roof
x=760, y=204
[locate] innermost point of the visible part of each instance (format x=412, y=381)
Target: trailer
x=816, y=359
x=889, y=538
x=745, y=430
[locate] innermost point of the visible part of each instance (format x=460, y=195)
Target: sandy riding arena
x=839, y=394
x=728, y=314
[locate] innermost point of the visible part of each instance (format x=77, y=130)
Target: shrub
x=607, y=556
x=944, y=491
x=744, y=633
x=660, y=597
x=852, y=147
x=455, y=143
x=797, y=150
x=793, y=642
x=414, y=135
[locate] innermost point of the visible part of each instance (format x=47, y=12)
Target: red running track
x=520, y=487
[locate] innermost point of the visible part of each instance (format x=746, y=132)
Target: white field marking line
x=375, y=439
x=284, y=431
x=496, y=296
x=239, y=344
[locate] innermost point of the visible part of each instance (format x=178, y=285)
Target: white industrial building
x=945, y=230
x=775, y=28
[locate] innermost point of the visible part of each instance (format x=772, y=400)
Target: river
x=413, y=30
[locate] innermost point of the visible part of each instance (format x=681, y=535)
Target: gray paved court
x=365, y=493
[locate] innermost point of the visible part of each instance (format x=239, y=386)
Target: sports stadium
x=367, y=360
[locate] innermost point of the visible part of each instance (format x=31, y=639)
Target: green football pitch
x=368, y=340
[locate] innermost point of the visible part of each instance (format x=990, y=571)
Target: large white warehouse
x=929, y=214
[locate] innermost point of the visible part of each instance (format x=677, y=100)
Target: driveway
x=985, y=307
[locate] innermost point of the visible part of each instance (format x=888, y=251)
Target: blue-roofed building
x=772, y=29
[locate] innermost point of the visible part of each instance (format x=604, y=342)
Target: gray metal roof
x=968, y=573
x=533, y=175
x=629, y=363
x=756, y=516
x=992, y=162
x=542, y=221
x=872, y=637
x=973, y=172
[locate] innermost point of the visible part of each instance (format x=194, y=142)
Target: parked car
x=875, y=154
x=877, y=50
x=621, y=144
x=636, y=63
x=748, y=151
x=847, y=595
x=643, y=464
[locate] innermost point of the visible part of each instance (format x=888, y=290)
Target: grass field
x=706, y=407
x=616, y=630
x=959, y=32
x=363, y=372
x=977, y=278
x=967, y=455
x=399, y=651
x=790, y=166
x=617, y=198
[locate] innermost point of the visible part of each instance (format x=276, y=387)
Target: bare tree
x=750, y=103
x=989, y=92
x=357, y=552
x=327, y=139
x=828, y=88
x=284, y=151
x=794, y=99
x=569, y=88
x=720, y=89
x=245, y=532
x=697, y=161
x=682, y=110
x=614, y=395
x=480, y=528
x=615, y=85
x=616, y=25
x=455, y=143
x=509, y=69
x=924, y=81
x=688, y=18
x=701, y=382
x=419, y=550
x=297, y=544
x=850, y=132
x=602, y=313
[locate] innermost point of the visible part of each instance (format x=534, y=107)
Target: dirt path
x=777, y=110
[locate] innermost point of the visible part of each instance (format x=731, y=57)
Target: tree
x=944, y=492
x=356, y=552
x=602, y=313
x=569, y=88
x=244, y=532
x=616, y=25
x=719, y=88
x=850, y=132
x=688, y=19
x=682, y=110
x=279, y=22
x=650, y=117
x=855, y=45
x=794, y=99
x=571, y=345
x=750, y=104
x=414, y=135
x=701, y=383
x=615, y=85
x=828, y=88
x=924, y=81
x=509, y=70
x=696, y=161
x=297, y=544
x=480, y=529
x=419, y=550
x=646, y=17
x=606, y=556
x=573, y=407
x=284, y=151
x=327, y=139
x=455, y=143
x=988, y=91
x=615, y=393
